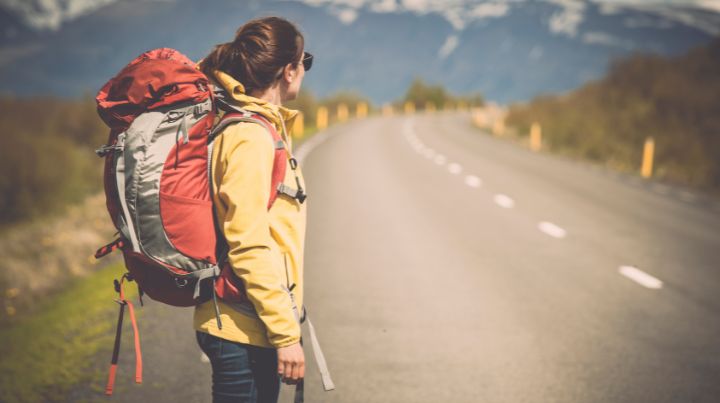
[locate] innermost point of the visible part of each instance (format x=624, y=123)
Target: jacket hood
x=279, y=115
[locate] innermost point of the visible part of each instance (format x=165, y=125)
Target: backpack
x=162, y=115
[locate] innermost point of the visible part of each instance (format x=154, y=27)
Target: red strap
x=116, y=350
x=109, y=248
x=138, y=353
x=111, y=380
x=280, y=160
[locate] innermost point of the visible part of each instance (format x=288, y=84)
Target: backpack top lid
x=157, y=78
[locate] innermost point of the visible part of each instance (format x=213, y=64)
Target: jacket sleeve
x=247, y=156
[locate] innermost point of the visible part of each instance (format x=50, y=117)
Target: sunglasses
x=307, y=61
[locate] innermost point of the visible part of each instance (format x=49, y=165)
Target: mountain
x=508, y=50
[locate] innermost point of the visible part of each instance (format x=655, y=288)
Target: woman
x=259, y=70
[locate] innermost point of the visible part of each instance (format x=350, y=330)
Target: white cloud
x=384, y=6
x=489, y=10
x=346, y=15
x=605, y=39
x=449, y=46
x=50, y=14
x=567, y=21
x=455, y=17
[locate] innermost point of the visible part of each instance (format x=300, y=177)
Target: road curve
x=444, y=265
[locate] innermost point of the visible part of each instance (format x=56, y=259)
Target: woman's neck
x=271, y=95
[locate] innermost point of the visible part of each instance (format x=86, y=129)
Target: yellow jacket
x=265, y=246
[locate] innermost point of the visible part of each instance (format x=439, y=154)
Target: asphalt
x=424, y=288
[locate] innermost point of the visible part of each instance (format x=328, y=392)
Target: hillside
x=507, y=50
x=675, y=100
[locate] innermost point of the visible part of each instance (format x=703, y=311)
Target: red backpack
x=161, y=111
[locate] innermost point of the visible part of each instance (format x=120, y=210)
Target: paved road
x=444, y=265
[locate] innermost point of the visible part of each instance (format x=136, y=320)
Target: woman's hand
x=291, y=363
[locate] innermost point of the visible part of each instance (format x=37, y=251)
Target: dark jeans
x=241, y=373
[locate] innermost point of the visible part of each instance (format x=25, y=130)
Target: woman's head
x=265, y=52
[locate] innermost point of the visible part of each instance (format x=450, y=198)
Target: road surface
x=445, y=265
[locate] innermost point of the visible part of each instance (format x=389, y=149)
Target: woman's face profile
x=294, y=76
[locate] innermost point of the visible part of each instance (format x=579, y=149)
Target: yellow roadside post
x=299, y=126
x=429, y=107
x=409, y=107
x=479, y=117
x=461, y=105
x=498, y=127
x=647, y=162
x=322, y=118
x=535, y=137
x=361, y=110
x=342, y=112
x=387, y=110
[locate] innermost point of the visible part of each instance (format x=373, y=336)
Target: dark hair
x=261, y=48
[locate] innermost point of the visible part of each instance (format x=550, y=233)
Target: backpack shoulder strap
x=279, y=162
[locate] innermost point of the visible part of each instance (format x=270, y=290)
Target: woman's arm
x=247, y=156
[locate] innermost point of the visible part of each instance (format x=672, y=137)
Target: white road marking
x=552, y=229
x=640, y=277
x=408, y=127
x=504, y=201
x=429, y=153
x=454, y=168
x=473, y=181
x=307, y=147
x=204, y=358
x=440, y=159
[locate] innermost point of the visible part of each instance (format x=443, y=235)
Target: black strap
x=300, y=391
x=118, y=334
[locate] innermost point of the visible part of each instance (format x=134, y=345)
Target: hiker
x=252, y=352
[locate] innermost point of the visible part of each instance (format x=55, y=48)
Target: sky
x=50, y=14
x=461, y=12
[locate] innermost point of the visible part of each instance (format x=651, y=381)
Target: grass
x=45, y=352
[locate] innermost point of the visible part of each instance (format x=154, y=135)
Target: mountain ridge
x=512, y=57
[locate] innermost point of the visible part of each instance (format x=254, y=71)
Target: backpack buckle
x=107, y=149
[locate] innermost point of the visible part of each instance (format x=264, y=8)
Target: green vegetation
x=423, y=94
x=47, y=158
x=46, y=352
x=46, y=155
x=674, y=100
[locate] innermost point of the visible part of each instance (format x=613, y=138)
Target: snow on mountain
x=460, y=13
x=507, y=49
x=51, y=14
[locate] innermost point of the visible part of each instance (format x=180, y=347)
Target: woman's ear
x=289, y=73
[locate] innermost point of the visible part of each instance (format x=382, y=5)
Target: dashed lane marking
x=552, y=230
x=504, y=201
x=640, y=277
x=473, y=181
x=454, y=168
